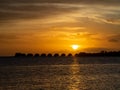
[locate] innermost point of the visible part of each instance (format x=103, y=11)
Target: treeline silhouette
x=81, y=54
x=99, y=54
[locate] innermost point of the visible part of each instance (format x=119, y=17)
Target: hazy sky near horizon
x=54, y=25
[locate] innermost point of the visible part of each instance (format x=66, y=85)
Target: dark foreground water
x=72, y=76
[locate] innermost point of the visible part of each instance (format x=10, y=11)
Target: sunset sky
x=49, y=26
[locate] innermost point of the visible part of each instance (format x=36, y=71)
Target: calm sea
x=69, y=76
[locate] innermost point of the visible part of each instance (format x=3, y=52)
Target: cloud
x=111, y=16
x=16, y=37
x=69, y=16
x=114, y=38
x=41, y=9
x=32, y=11
x=98, y=49
x=63, y=1
x=74, y=36
x=68, y=28
x=7, y=36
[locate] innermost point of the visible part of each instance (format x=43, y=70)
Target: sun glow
x=75, y=47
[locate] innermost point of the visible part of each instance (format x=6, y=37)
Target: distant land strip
x=81, y=54
x=22, y=59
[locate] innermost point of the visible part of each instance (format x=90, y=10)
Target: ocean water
x=72, y=76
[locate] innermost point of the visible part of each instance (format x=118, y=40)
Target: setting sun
x=75, y=47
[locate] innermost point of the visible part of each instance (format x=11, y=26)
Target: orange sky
x=52, y=26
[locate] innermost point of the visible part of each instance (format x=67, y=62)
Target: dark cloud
x=114, y=38
x=97, y=49
x=112, y=16
x=8, y=37
x=63, y=1
x=5, y=38
x=31, y=11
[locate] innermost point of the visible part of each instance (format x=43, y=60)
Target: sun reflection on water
x=74, y=77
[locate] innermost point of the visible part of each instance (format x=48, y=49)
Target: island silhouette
x=102, y=57
x=80, y=54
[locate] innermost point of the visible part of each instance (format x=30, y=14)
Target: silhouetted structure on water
x=36, y=55
x=49, y=55
x=56, y=55
x=81, y=54
x=70, y=55
x=43, y=55
x=29, y=55
x=63, y=55
x=20, y=55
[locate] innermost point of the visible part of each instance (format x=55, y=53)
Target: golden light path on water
x=75, y=78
